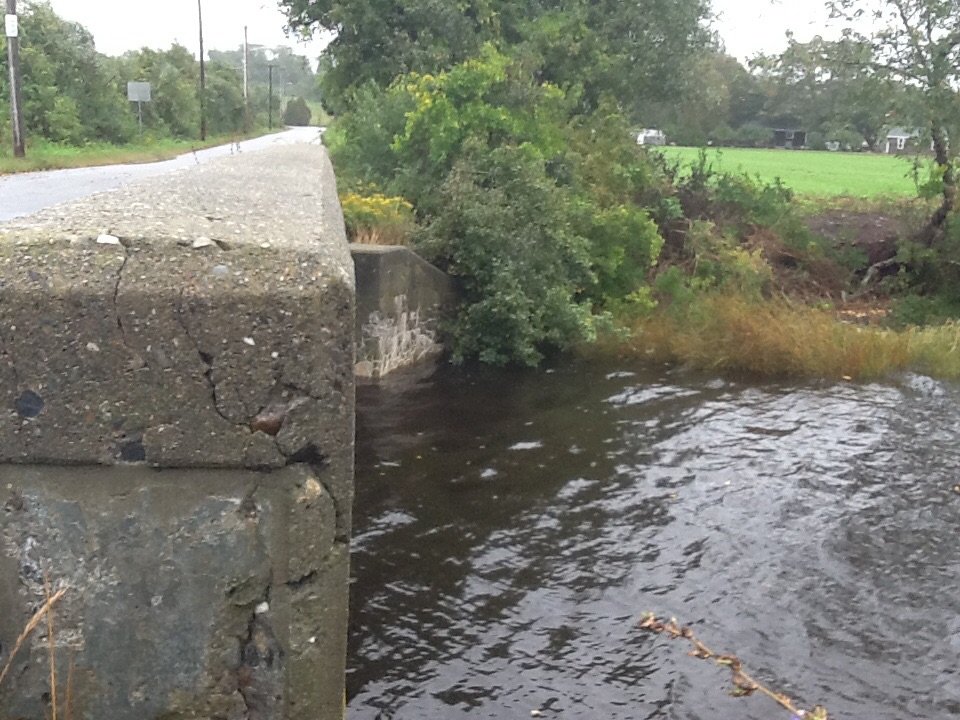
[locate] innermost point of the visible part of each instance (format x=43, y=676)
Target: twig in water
x=744, y=685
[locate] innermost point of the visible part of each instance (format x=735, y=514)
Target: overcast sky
x=747, y=26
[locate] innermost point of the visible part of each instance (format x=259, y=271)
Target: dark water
x=511, y=528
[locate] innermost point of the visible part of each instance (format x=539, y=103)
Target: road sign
x=12, y=26
x=138, y=91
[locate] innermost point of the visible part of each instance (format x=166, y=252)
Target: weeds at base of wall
x=728, y=333
x=46, y=612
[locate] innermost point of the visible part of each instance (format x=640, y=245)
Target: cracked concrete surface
x=176, y=443
x=182, y=346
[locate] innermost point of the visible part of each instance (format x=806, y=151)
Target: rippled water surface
x=511, y=528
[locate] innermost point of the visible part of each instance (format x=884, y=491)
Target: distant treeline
x=74, y=95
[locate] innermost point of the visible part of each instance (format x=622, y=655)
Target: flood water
x=511, y=528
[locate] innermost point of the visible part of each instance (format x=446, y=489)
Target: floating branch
x=743, y=684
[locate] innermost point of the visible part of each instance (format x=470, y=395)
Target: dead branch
x=744, y=684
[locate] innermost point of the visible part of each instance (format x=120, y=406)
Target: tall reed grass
x=729, y=333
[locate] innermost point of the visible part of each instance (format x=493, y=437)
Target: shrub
x=503, y=230
x=752, y=136
x=376, y=219
x=297, y=112
x=543, y=220
x=624, y=246
x=361, y=141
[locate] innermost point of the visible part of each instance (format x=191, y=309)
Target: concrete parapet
x=176, y=424
x=401, y=301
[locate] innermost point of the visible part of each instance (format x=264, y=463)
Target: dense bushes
x=503, y=231
x=297, y=112
x=543, y=215
x=553, y=220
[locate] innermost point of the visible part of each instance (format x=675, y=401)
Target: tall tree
x=918, y=43
x=292, y=70
x=637, y=51
x=832, y=87
x=69, y=96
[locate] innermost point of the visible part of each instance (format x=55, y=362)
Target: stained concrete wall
x=401, y=302
x=176, y=444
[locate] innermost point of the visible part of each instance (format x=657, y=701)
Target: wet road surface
x=26, y=193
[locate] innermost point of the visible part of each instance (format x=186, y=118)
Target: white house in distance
x=901, y=140
x=650, y=136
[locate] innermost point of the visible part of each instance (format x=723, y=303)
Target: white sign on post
x=138, y=91
x=13, y=27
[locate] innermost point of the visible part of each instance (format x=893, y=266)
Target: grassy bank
x=50, y=156
x=824, y=174
x=779, y=338
x=318, y=115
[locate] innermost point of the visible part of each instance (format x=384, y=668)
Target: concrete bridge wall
x=402, y=300
x=176, y=444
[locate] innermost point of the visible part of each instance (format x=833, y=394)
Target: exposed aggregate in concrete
x=201, y=321
x=172, y=350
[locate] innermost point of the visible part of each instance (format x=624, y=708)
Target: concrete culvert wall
x=176, y=444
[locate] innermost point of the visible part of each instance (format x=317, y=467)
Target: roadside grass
x=50, y=156
x=779, y=338
x=810, y=173
x=318, y=115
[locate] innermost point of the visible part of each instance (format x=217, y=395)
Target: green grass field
x=822, y=174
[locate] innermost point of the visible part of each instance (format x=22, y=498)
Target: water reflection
x=510, y=528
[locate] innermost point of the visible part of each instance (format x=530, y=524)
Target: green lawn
x=823, y=174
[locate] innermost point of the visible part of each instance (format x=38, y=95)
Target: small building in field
x=902, y=141
x=651, y=136
x=789, y=139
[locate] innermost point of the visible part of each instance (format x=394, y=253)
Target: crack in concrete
x=303, y=581
x=116, y=307
x=206, y=359
x=251, y=657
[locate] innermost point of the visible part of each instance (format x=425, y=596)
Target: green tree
x=225, y=106
x=720, y=95
x=291, y=72
x=69, y=95
x=543, y=219
x=831, y=87
x=919, y=45
x=297, y=112
x=638, y=51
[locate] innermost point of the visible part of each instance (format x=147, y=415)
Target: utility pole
x=13, y=61
x=246, y=81
x=246, y=61
x=203, y=79
x=270, y=100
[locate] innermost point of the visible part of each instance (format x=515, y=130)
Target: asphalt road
x=26, y=193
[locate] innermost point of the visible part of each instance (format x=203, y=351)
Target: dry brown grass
x=388, y=235
x=46, y=611
x=780, y=338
